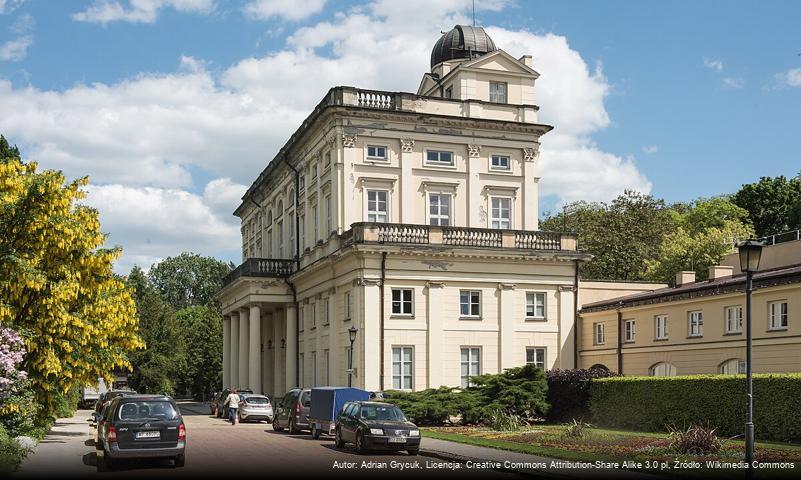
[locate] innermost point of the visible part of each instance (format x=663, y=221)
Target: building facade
x=413, y=219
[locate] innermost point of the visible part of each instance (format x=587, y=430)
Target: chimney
x=685, y=277
x=720, y=271
x=526, y=60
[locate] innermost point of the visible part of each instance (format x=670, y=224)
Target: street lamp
x=750, y=252
x=352, y=334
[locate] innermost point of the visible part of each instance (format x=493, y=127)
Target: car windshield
x=382, y=412
x=148, y=409
x=256, y=400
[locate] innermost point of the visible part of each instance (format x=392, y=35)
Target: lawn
x=614, y=446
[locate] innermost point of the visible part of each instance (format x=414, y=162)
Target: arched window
x=662, y=369
x=732, y=366
x=291, y=198
x=599, y=366
x=269, y=217
x=280, y=209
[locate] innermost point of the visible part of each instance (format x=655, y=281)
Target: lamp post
x=750, y=252
x=352, y=334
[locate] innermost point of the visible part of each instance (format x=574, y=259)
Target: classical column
x=254, y=364
x=407, y=185
x=267, y=357
x=291, y=345
x=506, y=320
x=367, y=357
x=226, y=373
x=434, y=348
x=278, y=353
x=244, y=333
x=233, y=364
x=476, y=214
x=567, y=328
x=530, y=200
x=333, y=340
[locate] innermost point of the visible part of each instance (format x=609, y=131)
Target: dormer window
x=449, y=92
x=497, y=92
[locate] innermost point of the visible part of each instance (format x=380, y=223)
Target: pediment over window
x=377, y=182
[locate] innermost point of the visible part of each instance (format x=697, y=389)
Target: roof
x=766, y=278
x=462, y=41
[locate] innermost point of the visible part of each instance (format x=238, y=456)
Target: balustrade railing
x=402, y=233
x=261, y=267
x=538, y=240
x=471, y=237
x=375, y=99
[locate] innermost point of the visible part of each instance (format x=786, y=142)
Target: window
x=500, y=162
x=777, y=313
x=327, y=311
x=629, y=330
x=377, y=206
x=270, y=243
x=449, y=92
x=471, y=365
x=661, y=327
x=346, y=306
x=376, y=152
x=328, y=225
x=292, y=238
x=535, y=356
x=696, y=324
x=732, y=367
x=662, y=369
x=733, y=317
x=302, y=183
x=535, y=305
x=402, y=301
x=439, y=209
x=314, y=368
x=327, y=160
x=314, y=171
x=301, y=368
x=313, y=315
x=470, y=303
x=439, y=157
x=326, y=367
x=301, y=312
x=302, y=223
x=402, y=367
x=497, y=92
x=598, y=333
x=280, y=239
x=316, y=224
x=501, y=213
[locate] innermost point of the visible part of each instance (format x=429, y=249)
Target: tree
x=794, y=216
x=57, y=288
x=188, y=279
x=769, y=202
x=703, y=213
x=201, y=328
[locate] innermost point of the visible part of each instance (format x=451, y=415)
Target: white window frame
x=280, y=232
x=438, y=162
x=384, y=158
x=536, y=352
x=500, y=223
x=507, y=168
x=473, y=363
x=292, y=238
x=661, y=331
x=316, y=224
x=470, y=303
x=504, y=96
x=327, y=311
x=439, y=217
x=629, y=331
x=402, y=303
x=302, y=233
x=725, y=367
x=665, y=369
x=733, y=319
x=532, y=304
x=598, y=334
x=347, y=305
x=376, y=214
x=778, y=320
x=695, y=323
x=402, y=379
x=270, y=243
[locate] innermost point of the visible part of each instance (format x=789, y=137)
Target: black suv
x=376, y=426
x=141, y=426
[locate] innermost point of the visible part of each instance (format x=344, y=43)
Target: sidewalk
x=63, y=451
x=460, y=452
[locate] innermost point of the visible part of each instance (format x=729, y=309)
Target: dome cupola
x=462, y=41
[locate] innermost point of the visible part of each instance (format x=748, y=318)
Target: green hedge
x=719, y=401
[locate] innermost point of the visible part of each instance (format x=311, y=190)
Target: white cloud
x=650, y=149
x=716, y=65
x=734, y=82
x=292, y=10
x=790, y=78
x=15, y=50
x=8, y=6
x=138, y=11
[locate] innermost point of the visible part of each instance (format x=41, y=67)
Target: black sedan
x=376, y=426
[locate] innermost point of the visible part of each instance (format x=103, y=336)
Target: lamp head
x=750, y=253
x=352, y=333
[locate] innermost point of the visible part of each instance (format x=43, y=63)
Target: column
x=369, y=339
x=244, y=333
x=567, y=327
x=233, y=377
x=333, y=340
x=278, y=336
x=474, y=197
x=408, y=187
x=254, y=363
x=506, y=320
x=530, y=197
x=291, y=345
x=434, y=348
x=226, y=365
x=267, y=357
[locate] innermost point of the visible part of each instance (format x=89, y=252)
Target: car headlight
x=376, y=431
x=414, y=433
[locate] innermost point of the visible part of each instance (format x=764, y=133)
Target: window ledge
x=695, y=336
x=665, y=339
x=536, y=319
x=629, y=341
x=778, y=329
x=501, y=170
x=436, y=165
x=732, y=333
x=402, y=316
x=346, y=319
x=470, y=317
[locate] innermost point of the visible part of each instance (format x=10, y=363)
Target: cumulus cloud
x=8, y=6
x=791, y=78
x=137, y=11
x=292, y=10
x=716, y=65
x=17, y=48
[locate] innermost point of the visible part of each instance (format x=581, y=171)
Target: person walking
x=232, y=400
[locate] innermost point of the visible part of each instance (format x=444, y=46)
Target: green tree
x=705, y=213
x=188, y=279
x=794, y=216
x=201, y=328
x=769, y=202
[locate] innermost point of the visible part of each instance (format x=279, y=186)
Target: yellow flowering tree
x=57, y=287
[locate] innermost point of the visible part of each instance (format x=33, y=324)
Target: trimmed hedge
x=718, y=401
x=569, y=392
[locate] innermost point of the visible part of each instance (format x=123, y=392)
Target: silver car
x=255, y=407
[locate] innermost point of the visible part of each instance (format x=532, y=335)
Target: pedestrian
x=233, y=404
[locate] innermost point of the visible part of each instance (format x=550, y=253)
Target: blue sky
x=682, y=99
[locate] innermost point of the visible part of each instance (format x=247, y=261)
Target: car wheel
x=293, y=429
x=277, y=427
x=180, y=461
x=360, y=449
x=338, y=440
x=413, y=451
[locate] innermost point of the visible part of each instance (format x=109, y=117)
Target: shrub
x=520, y=391
x=19, y=410
x=65, y=404
x=651, y=403
x=11, y=452
x=569, y=392
x=577, y=429
x=695, y=440
x=501, y=421
x=436, y=405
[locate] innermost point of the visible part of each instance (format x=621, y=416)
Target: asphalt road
x=216, y=447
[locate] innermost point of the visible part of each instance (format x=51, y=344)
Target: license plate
x=150, y=434
x=397, y=439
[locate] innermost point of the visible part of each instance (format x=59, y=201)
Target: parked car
x=254, y=407
x=326, y=403
x=141, y=426
x=376, y=426
x=217, y=405
x=110, y=395
x=293, y=411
